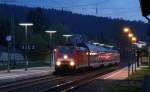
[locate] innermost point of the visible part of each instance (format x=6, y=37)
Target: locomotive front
x=64, y=58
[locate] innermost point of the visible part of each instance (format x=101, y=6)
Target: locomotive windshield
x=65, y=50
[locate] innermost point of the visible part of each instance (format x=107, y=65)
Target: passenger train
x=84, y=56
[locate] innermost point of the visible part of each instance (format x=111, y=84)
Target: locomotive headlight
x=72, y=63
x=65, y=57
x=58, y=63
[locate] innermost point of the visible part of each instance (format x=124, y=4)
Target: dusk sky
x=126, y=9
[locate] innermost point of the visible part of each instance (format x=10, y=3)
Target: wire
x=7, y=1
x=83, y=5
x=54, y=1
x=93, y=6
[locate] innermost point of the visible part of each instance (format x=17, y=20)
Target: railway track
x=55, y=83
x=73, y=84
x=10, y=87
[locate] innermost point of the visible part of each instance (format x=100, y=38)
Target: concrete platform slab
x=21, y=74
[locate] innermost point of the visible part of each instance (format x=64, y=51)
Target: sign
x=8, y=38
x=29, y=47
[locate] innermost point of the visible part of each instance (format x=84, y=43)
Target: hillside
x=102, y=29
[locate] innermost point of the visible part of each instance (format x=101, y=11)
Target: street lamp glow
x=134, y=39
x=126, y=30
x=50, y=31
x=67, y=35
x=26, y=24
x=130, y=35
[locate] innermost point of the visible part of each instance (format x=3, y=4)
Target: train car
x=109, y=57
x=94, y=60
x=84, y=56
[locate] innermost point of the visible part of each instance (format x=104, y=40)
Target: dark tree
x=40, y=20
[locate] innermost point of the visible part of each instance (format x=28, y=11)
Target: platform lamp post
x=26, y=25
x=67, y=37
x=127, y=30
x=130, y=35
x=134, y=40
x=50, y=42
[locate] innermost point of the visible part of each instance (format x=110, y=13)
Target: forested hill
x=97, y=28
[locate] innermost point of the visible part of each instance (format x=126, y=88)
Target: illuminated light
x=109, y=46
x=142, y=43
x=93, y=53
x=139, y=45
x=58, y=63
x=102, y=44
x=96, y=43
x=65, y=57
x=72, y=63
x=67, y=35
x=105, y=57
x=87, y=53
x=55, y=50
x=50, y=31
x=126, y=30
x=134, y=39
x=130, y=35
x=26, y=24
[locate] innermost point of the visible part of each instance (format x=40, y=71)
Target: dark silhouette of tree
x=4, y=29
x=40, y=20
x=101, y=37
x=102, y=29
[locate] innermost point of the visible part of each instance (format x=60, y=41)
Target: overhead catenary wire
x=93, y=6
x=96, y=7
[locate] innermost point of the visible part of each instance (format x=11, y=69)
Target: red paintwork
x=75, y=57
x=82, y=59
x=56, y=55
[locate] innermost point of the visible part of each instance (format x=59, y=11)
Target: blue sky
x=126, y=9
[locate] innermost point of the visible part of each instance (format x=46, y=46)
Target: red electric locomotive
x=70, y=57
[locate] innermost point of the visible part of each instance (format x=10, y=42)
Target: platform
x=119, y=74
x=21, y=74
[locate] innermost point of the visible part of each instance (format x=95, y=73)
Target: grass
x=22, y=65
x=139, y=75
x=124, y=87
x=134, y=84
